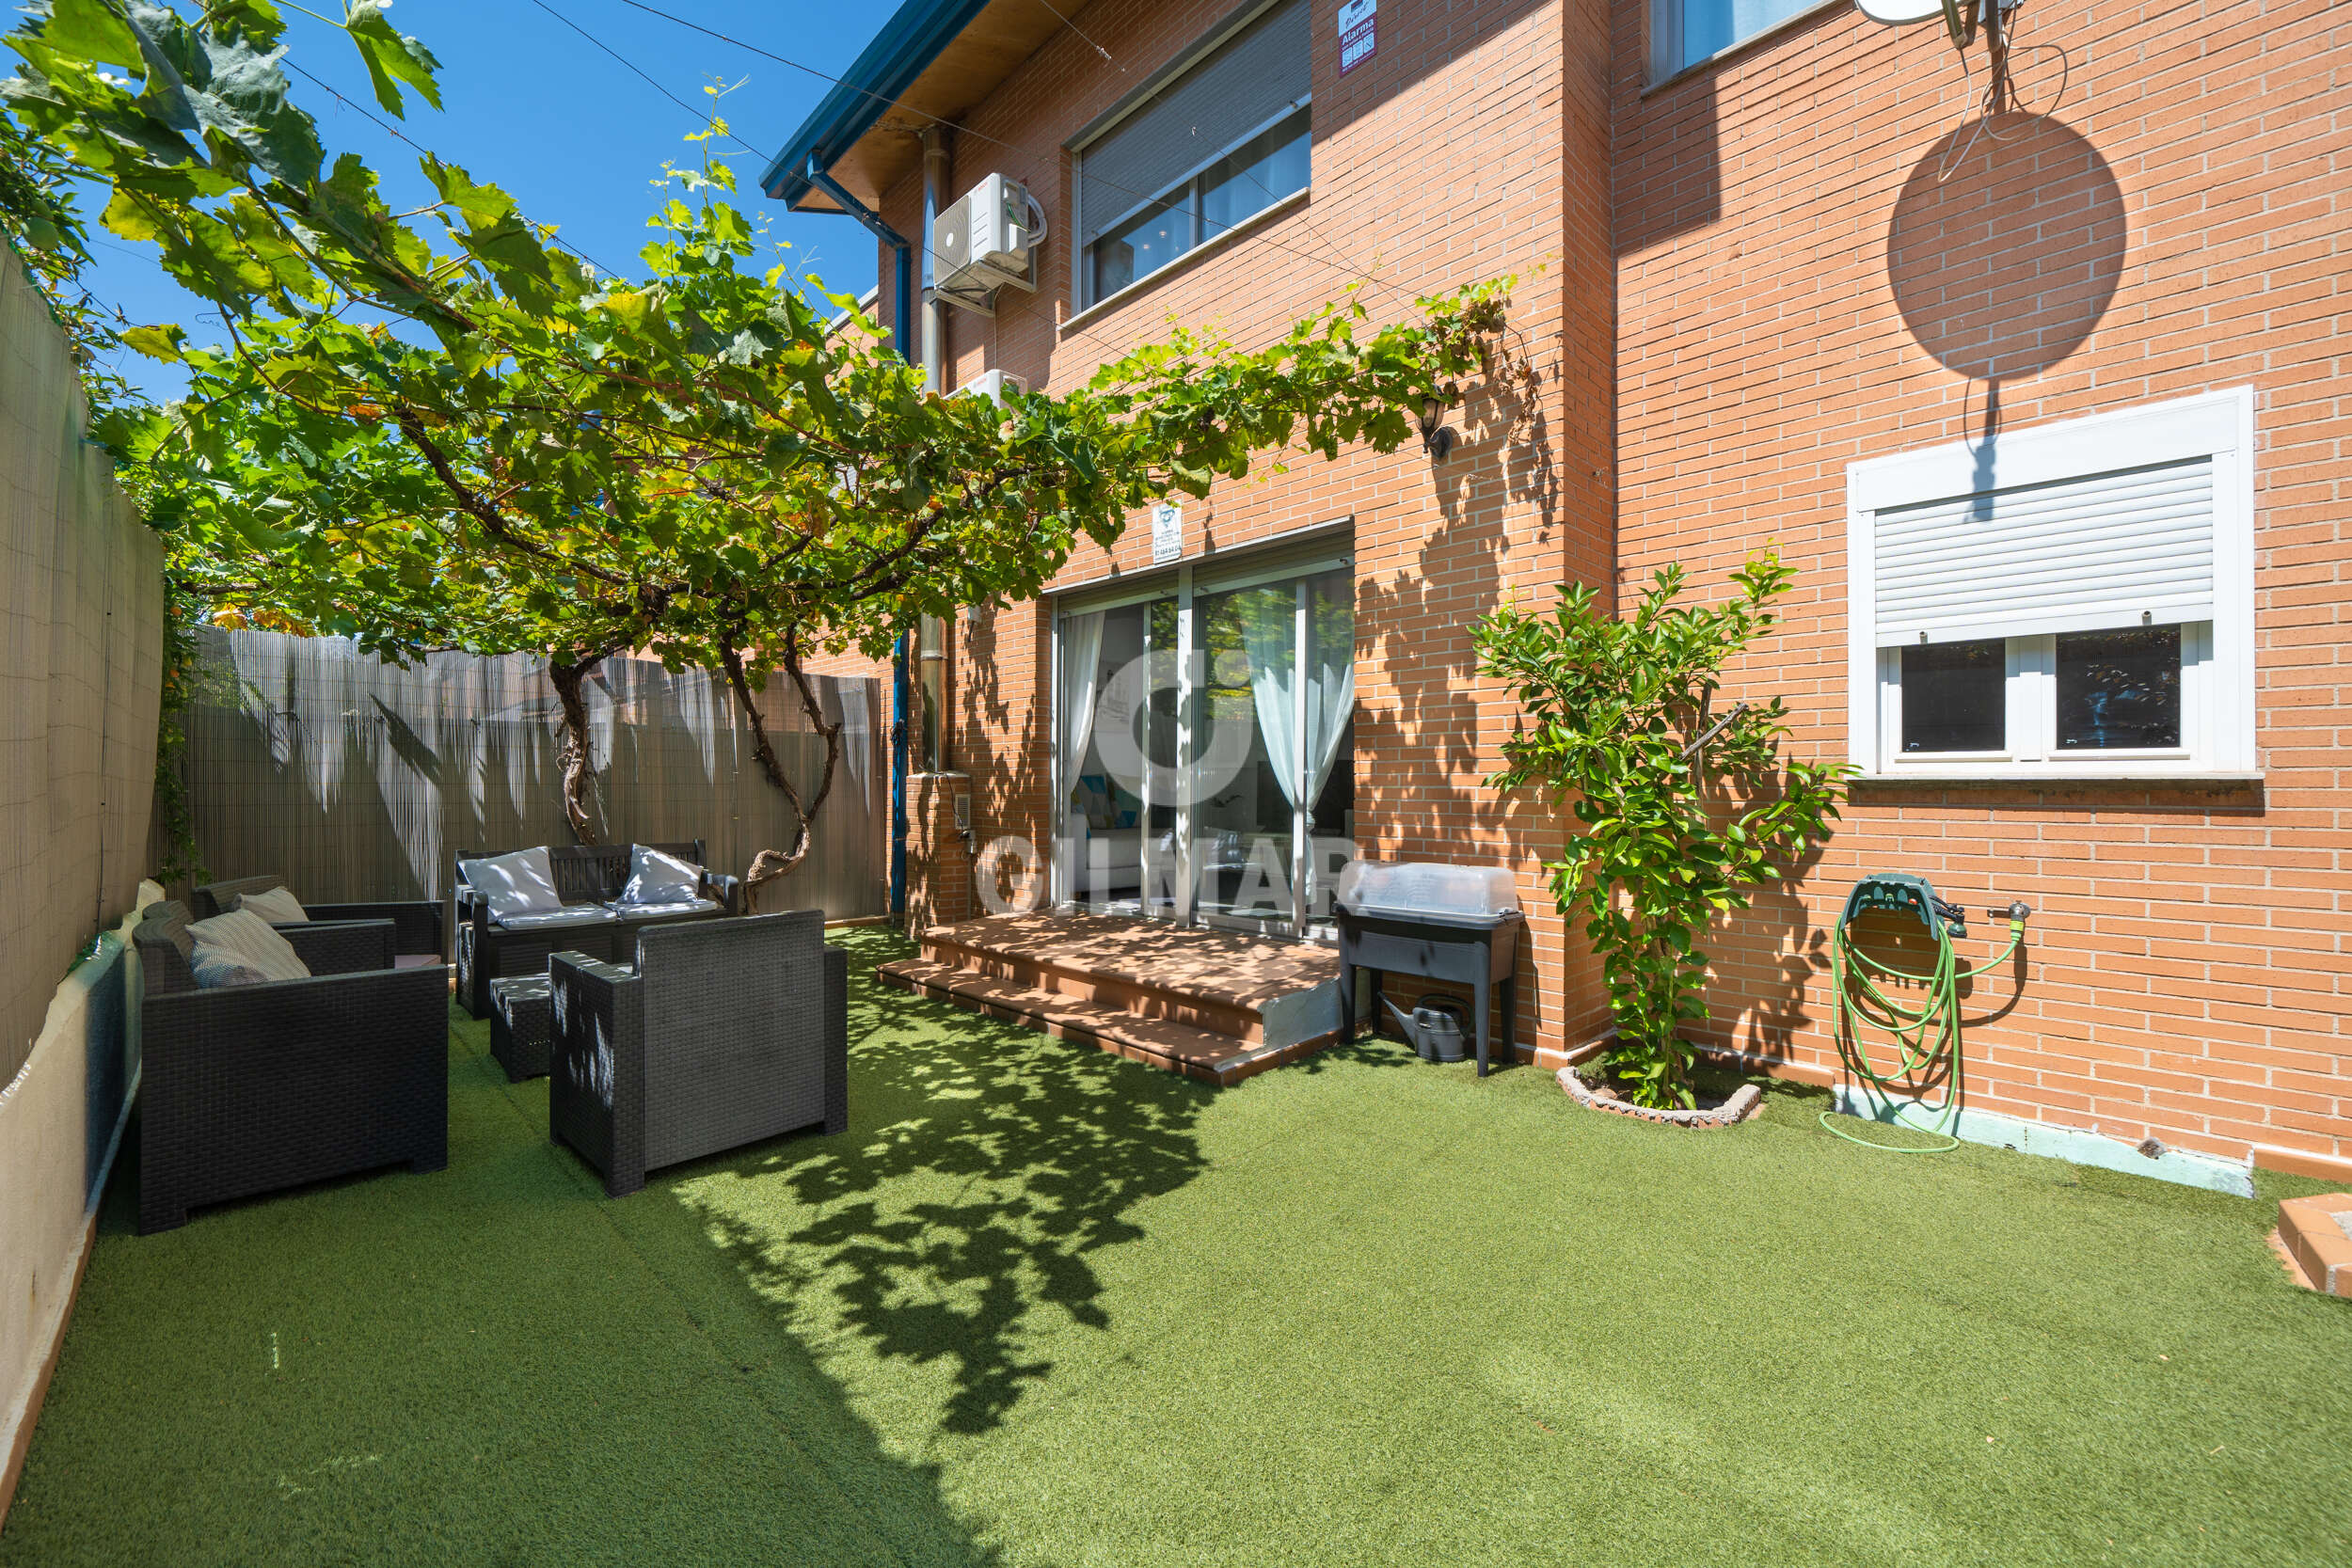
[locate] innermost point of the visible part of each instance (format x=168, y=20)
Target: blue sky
x=574, y=133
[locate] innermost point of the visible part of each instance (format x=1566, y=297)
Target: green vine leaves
x=442, y=427
x=1685, y=812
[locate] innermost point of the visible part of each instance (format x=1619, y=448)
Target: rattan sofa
x=725, y=1033
x=417, y=928
x=589, y=877
x=247, y=1089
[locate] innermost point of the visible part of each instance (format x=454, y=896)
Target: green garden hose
x=1926, y=1036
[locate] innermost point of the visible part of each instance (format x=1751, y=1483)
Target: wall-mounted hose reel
x=1926, y=1034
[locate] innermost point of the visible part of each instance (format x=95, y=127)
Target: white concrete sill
x=1150, y=280
x=2014, y=777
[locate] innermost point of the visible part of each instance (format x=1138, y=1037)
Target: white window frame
x=2218, y=690
x=1665, y=37
x=1083, y=297
x=1276, y=559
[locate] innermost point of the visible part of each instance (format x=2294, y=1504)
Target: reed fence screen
x=356, y=779
x=81, y=671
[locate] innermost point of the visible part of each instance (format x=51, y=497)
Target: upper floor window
x=1684, y=32
x=2072, y=599
x=1223, y=137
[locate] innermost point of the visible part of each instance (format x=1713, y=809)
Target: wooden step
x=1203, y=1053
x=1256, y=991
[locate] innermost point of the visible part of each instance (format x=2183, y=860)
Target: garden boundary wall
x=355, y=779
x=81, y=679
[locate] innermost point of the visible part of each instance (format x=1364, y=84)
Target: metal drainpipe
x=934, y=380
x=898, y=695
x=935, y=308
x=902, y=332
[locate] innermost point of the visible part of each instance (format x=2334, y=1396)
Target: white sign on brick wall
x=1358, y=33
x=1168, y=533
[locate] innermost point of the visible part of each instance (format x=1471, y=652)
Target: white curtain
x=1269, y=623
x=1330, y=698
x=1081, y=659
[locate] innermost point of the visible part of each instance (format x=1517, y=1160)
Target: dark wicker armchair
x=589, y=877
x=728, y=1031
x=416, y=929
x=247, y=1089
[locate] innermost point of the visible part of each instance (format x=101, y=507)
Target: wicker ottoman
x=522, y=1013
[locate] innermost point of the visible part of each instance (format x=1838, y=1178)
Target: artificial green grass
x=1040, y=1305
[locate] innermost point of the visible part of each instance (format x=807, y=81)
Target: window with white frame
x=2074, y=600
x=1226, y=136
x=1684, y=32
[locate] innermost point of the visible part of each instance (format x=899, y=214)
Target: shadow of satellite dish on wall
x=2005, y=245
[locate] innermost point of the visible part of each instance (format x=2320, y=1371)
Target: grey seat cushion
x=550, y=920
x=675, y=909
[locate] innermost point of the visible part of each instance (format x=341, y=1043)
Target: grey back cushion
x=656, y=878
x=276, y=904
x=522, y=883
x=242, y=939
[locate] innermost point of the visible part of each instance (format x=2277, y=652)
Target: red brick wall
x=2188, y=977
x=1472, y=145
x=940, y=890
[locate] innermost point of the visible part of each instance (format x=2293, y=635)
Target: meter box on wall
x=987, y=239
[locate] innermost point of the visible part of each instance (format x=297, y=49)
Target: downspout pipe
x=935, y=308
x=903, y=339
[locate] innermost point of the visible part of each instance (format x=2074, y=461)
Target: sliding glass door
x=1117, y=723
x=1207, y=747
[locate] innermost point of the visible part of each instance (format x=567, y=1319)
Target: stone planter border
x=1745, y=1102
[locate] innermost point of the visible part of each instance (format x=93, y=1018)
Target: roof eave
x=903, y=51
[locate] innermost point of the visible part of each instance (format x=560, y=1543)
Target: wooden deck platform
x=1216, y=1005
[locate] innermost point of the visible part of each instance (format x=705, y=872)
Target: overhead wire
x=644, y=76
x=396, y=134
x=715, y=123
x=1363, y=274
x=1081, y=32
x=1023, y=307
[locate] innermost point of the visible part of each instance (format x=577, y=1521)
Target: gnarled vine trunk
x=574, y=756
x=771, y=864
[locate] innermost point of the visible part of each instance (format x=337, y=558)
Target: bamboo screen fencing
x=355, y=779
x=81, y=669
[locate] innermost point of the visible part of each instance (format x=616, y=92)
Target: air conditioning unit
x=986, y=239
x=991, y=384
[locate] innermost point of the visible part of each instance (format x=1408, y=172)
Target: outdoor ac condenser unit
x=986, y=239
x=991, y=384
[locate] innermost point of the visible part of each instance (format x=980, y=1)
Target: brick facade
x=1437, y=163
x=2188, y=974
x=1721, y=324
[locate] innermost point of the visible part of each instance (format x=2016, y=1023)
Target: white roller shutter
x=1242, y=84
x=2112, y=549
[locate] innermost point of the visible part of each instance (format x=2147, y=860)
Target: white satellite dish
x=1901, y=13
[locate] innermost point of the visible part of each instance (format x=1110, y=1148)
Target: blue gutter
x=903, y=51
x=902, y=257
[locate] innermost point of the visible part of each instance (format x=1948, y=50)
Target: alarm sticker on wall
x=1359, y=36
x=1168, y=533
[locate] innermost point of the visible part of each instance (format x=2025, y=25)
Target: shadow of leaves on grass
x=960, y=1219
